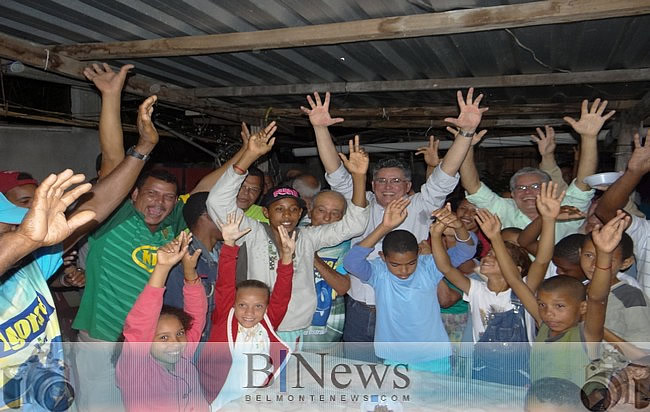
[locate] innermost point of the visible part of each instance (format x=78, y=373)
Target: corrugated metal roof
x=619, y=43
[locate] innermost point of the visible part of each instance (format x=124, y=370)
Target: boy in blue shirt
x=409, y=329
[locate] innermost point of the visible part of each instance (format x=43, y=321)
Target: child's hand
x=172, y=253
x=548, y=201
x=608, y=237
x=358, y=163
x=395, y=213
x=288, y=244
x=261, y=142
x=489, y=223
x=230, y=230
x=569, y=213
x=189, y=265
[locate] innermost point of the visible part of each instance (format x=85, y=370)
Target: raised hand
x=489, y=223
x=607, y=238
x=245, y=135
x=470, y=114
x=395, y=213
x=475, y=139
x=640, y=160
x=447, y=217
x=189, y=265
x=262, y=142
x=170, y=254
x=287, y=243
x=358, y=162
x=105, y=79
x=45, y=224
x=230, y=230
x=548, y=201
x=591, y=120
x=146, y=129
x=545, y=140
x=319, y=114
x=569, y=213
x=430, y=152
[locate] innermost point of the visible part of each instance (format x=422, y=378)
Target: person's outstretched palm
x=319, y=114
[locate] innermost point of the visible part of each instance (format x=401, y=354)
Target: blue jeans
x=359, y=331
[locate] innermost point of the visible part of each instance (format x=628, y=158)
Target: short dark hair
x=626, y=245
x=392, y=162
x=520, y=256
x=563, y=283
x=569, y=248
x=160, y=174
x=399, y=241
x=194, y=208
x=256, y=284
x=554, y=391
x=254, y=171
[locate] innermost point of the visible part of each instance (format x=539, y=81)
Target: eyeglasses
x=522, y=188
x=392, y=181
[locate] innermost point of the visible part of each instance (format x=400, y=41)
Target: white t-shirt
x=639, y=231
x=483, y=302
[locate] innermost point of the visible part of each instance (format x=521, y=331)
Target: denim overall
x=502, y=354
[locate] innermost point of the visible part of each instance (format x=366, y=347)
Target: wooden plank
x=398, y=27
x=41, y=57
x=517, y=80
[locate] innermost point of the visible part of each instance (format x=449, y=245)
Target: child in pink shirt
x=155, y=369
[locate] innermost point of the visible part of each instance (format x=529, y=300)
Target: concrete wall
x=41, y=150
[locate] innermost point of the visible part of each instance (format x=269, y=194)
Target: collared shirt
x=512, y=216
x=431, y=197
x=121, y=258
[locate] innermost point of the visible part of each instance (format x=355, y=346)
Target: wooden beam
x=516, y=80
x=496, y=109
x=41, y=57
x=398, y=27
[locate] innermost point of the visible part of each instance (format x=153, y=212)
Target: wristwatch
x=136, y=154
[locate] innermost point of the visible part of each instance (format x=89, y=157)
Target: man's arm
x=109, y=192
x=467, y=122
x=111, y=140
x=469, y=174
x=590, y=123
x=209, y=180
x=340, y=283
x=320, y=119
x=618, y=194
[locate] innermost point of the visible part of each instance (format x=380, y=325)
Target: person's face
x=250, y=306
x=268, y=183
x=285, y=212
x=525, y=199
x=588, y=259
x=155, y=200
x=401, y=264
x=327, y=208
x=386, y=189
x=249, y=191
x=567, y=268
x=489, y=265
x=559, y=310
x=169, y=341
x=22, y=195
x=466, y=212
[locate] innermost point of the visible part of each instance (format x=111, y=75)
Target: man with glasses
x=391, y=179
x=526, y=183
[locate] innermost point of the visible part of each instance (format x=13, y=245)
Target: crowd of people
x=540, y=286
